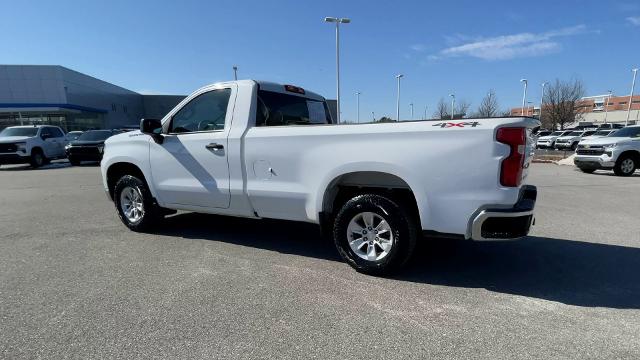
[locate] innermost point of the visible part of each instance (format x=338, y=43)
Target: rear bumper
x=14, y=158
x=509, y=223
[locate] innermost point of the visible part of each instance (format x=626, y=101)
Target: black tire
x=587, y=171
x=621, y=170
x=74, y=162
x=37, y=158
x=151, y=213
x=403, y=228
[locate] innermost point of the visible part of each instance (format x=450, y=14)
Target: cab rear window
x=277, y=109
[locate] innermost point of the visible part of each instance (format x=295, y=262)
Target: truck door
x=49, y=143
x=190, y=167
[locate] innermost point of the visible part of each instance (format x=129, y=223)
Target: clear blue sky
x=465, y=47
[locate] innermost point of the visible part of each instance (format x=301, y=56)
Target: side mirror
x=152, y=127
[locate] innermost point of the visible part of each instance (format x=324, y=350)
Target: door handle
x=214, y=146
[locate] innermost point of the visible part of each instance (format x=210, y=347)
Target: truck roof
x=275, y=87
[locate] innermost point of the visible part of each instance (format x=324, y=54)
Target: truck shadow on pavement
x=571, y=272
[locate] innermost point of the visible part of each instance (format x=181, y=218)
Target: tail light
x=511, y=168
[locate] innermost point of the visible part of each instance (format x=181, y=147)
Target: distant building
x=53, y=94
x=593, y=109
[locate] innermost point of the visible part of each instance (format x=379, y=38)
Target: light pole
x=453, y=104
x=425, y=112
x=235, y=72
x=337, y=21
x=524, y=96
x=633, y=85
x=542, y=100
x=358, y=105
x=399, y=76
x=373, y=115
x=606, y=106
x=411, y=106
x=529, y=108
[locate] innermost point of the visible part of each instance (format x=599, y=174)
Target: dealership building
x=55, y=95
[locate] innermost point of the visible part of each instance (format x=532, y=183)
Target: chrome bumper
x=510, y=223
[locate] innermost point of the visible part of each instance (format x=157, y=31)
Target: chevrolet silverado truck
x=619, y=152
x=549, y=141
x=262, y=150
x=571, y=140
x=31, y=144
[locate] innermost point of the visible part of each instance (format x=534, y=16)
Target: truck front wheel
x=625, y=166
x=134, y=204
x=374, y=235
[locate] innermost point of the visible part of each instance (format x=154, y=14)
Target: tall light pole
x=606, y=106
x=358, y=105
x=425, y=112
x=235, y=72
x=337, y=21
x=411, y=106
x=542, y=100
x=373, y=115
x=524, y=96
x=453, y=104
x=633, y=85
x=399, y=76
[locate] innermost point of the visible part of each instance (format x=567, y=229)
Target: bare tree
x=461, y=108
x=488, y=106
x=561, y=103
x=442, y=110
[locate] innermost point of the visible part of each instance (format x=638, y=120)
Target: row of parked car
x=611, y=148
x=37, y=145
x=570, y=138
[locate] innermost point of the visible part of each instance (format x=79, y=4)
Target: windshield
x=602, y=132
x=557, y=133
x=95, y=135
x=19, y=132
x=631, y=132
x=575, y=133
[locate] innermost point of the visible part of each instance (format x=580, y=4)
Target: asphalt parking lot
x=75, y=283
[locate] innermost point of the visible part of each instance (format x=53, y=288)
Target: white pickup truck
x=264, y=150
x=619, y=152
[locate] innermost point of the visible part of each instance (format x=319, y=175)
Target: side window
x=56, y=132
x=206, y=112
x=276, y=109
x=45, y=132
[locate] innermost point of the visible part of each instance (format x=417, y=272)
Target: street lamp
x=358, y=105
x=633, y=85
x=524, y=96
x=542, y=100
x=453, y=104
x=411, y=106
x=606, y=106
x=235, y=72
x=337, y=21
x=399, y=76
x=373, y=116
x=425, y=112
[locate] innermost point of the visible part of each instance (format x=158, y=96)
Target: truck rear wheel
x=134, y=204
x=374, y=235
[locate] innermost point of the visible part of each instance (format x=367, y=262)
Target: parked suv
x=549, y=141
x=620, y=152
x=571, y=140
x=89, y=146
x=35, y=145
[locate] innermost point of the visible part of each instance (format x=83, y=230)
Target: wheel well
x=118, y=170
x=347, y=186
x=635, y=155
x=37, y=148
